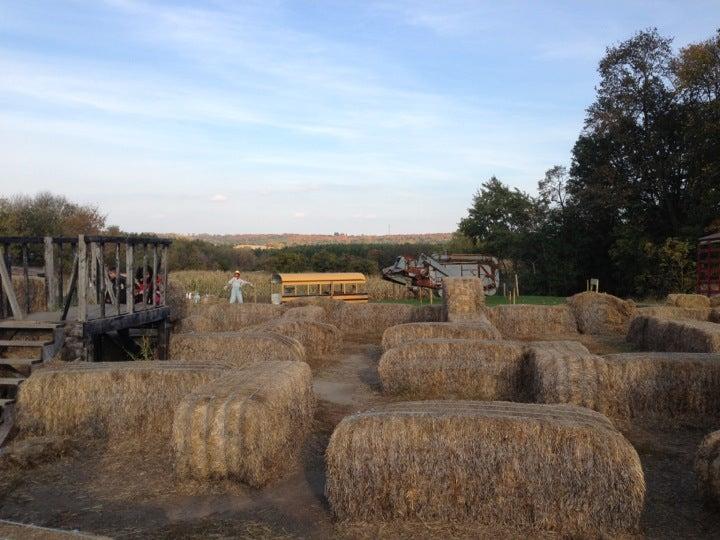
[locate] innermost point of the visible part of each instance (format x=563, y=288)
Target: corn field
x=212, y=283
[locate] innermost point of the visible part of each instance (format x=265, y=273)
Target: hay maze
x=393, y=420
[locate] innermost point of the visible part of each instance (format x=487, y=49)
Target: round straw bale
x=557, y=467
x=707, y=468
x=404, y=333
x=318, y=338
x=601, y=313
x=305, y=313
x=246, y=426
x=453, y=369
x=656, y=334
x=688, y=300
x=132, y=399
x=177, y=301
x=524, y=321
x=463, y=298
x=235, y=349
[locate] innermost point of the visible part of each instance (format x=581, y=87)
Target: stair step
x=11, y=381
x=23, y=343
x=19, y=362
x=28, y=325
x=5, y=402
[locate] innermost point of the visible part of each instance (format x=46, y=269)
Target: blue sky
x=270, y=116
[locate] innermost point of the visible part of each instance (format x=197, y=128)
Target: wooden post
x=50, y=280
x=9, y=289
x=165, y=263
x=116, y=285
x=153, y=288
x=61, y=276
x=163, y=339
x=82, y=278
x=71, y=289
x=26, y=277
x=129, y=277
x=144, y=276
x=94, y=283
x=517, y=287
x=102, y=276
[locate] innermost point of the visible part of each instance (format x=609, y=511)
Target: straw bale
x=601, y=313
x=492, y=463
x=305, y=313
x=688, y=300
x=128, y=399
x=11, y=530
x=656, y=334
x=404, y=333
x=37, y=293
x=233, y=317
x=672, y=312
x=707, y=468
x=246, y=426
x=683, y=386
x=194, y=323
x=318, y=338
x=524, y=321
x=463, y=299
x=372, y=319
x=714, y=301
x=176, y=301
x=714, y=315
x=235, y=349
x=453, y=369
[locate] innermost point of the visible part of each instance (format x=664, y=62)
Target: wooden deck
x=142, y=315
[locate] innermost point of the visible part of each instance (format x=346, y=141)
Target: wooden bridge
x=87, y=290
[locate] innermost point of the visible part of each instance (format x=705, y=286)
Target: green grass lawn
x=490, y=300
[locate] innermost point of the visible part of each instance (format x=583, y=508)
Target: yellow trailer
x=344, y=286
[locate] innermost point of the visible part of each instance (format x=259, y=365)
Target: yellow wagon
x=344, y=286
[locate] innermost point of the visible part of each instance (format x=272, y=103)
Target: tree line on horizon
x=642, y=186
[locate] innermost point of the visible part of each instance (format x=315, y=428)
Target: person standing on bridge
x=236, y=283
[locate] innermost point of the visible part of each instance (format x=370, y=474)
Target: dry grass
x=453, y=369
x=463, y=299
x=601, y=313
x=245, y=426
x=113, y=399
x=524, y=321
x=10, y=530
x=234, y=349
x=305, y=313
x=688, y=300
x=492, y=463
x=224, y=317
x=177, y=302
x=194, y=323
x=369, y=321
x=649, y=386
x=714, y=301
x=714, y=315
x=318, y=339
x=37, y=293
x=656, y=334
x=405, y=333
x=707, y=468
x=672, y=312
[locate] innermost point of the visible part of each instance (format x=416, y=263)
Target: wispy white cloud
x=219, y=198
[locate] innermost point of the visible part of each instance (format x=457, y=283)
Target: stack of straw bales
x=317, y=338
x=714, y=315
x=246, y=426
x=707, y=468
x=533, y=322
x=305, y=313
x=656, y=334
x=194, y=323
x=601, y=313
x=673, y=312
x=688, y=300
x=453, y=369
x=404, y=333
x=463, y=299
x=371, y=320
x=714, y=301
x=559, y=468
x=234, y=349
x=132, y=399
x=232, y=317
x=631, y=385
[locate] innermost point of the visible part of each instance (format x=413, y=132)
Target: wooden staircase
x=23, y=345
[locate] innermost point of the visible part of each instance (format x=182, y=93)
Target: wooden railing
x=95, y=265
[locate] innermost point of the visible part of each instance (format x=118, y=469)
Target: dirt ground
x=111, y=490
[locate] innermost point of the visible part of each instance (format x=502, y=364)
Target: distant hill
x=283, y=240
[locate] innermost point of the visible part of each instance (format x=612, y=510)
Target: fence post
x=9, y=289
x=82, y=287
x=129, y=276
x=50, y=278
